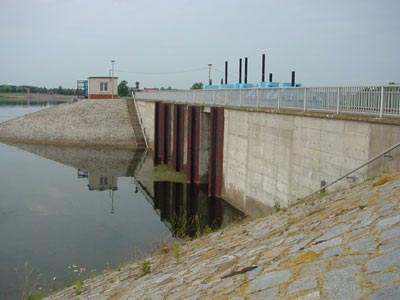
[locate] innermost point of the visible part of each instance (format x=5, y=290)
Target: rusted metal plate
x=216, y=151
x=178, y=137
x=193, y=144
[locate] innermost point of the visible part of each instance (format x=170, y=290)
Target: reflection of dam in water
x=184, y=208
x=188, y=210
x=101, y=166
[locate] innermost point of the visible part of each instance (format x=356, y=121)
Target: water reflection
x=186, y=209
x=53, y=216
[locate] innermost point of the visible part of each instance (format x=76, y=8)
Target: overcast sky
x=336, y=42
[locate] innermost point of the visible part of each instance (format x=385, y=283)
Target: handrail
x=379, y=101
x=355, y=170
x=140, y=120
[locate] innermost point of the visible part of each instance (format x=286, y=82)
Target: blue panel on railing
x=227, y=86
x=250, y=85
x=211, y=87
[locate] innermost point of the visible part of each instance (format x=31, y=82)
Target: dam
x=257, y=148
x=265, y=147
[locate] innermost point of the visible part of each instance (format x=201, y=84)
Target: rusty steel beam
x=216, y=151
x=193, y=144
x=178, y=137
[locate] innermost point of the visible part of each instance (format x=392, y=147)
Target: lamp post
x=209, y=74
x=112, y=79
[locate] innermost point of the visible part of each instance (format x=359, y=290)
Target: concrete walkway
x=344, y=246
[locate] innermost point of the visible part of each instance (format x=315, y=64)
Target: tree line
x=34, y=89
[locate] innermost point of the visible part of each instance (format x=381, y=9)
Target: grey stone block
x=383, y=262
x=389, y=221
x=334, y=231
x=306, y=283
x=363, y=245
x=268, y=280
x=331, y=252
x=341, y=284
x=394, y=232
x=391, y=292
x=383, y=278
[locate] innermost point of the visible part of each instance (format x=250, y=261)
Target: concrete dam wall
x=256, y=159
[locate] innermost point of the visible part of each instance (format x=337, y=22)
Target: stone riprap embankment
x=343, y=246
x=97, y=122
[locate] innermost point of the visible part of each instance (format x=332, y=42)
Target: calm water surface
x=69, y=211
x=10, y=110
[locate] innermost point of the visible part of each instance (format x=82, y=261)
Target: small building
x=103, y=87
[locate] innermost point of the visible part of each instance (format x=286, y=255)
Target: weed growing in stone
x=177, y=252
x=145, y=267
x=35, y=296
x=78, y=287
x=277, y=207
x=322, y=194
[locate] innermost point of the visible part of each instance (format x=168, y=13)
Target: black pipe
x=240, y=70
x=270, y=77
x=245, y=70
x=222, y=81
x=263, y=69
x=226, y=72
x=293, y=78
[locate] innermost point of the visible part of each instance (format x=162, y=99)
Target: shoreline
x=22, y=98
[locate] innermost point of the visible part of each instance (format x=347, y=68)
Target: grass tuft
x=384, y=179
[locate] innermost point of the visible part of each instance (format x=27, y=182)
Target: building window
x=103, y=86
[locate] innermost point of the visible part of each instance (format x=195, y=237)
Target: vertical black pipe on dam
x=226, y=72
x=293, y=82
x=240, y=70
x=245, y=70
x=263, y=68
x=270, y=77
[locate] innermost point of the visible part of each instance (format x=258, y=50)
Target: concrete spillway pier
x=100, y=122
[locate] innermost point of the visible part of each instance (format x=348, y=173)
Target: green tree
x=123, y=90
x=197, y=86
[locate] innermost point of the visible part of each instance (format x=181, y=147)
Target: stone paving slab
x=344, y=246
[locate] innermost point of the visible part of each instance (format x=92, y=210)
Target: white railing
x=369, y=100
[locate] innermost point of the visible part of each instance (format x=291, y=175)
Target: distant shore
x=22, y=98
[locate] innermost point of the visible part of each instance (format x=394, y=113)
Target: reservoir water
x=67, y=212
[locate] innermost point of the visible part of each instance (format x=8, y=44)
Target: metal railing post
x=258, y=104
x=279, y=97
x=382, y=99
x=338, y=101
x=305, y=99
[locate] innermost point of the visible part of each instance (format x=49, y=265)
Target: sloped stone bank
x=343, y=246
x=87, y=122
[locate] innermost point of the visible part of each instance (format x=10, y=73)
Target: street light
x=112, y=79
x=209, y=74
